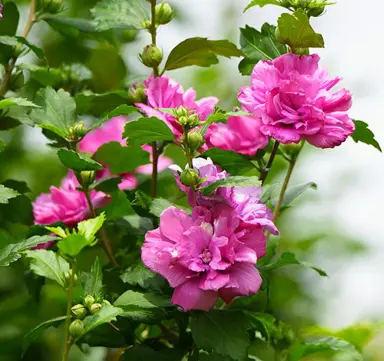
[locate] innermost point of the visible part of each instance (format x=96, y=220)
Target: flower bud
x=146, y=24
x=76, y=328
x=96, y=307
x=68, y=276
x=77, y=131
x=189, y=177
x=164, y=13
x=88, y=301
x=181, y=112
x=79, y=311
x=151, y=56
x=195, y=140
x=17, y=50
x=316, y=11
x=136, y=94
x=87, y=177
x=50, y=6
x=106, y=303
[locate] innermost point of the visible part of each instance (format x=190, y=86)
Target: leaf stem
x=264, y=173
x=8, y=70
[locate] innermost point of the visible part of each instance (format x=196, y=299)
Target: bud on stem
x=151, y=56
x=190, y=177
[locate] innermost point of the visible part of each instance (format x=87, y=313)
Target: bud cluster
x=50, y=6
x=187, y=118
x=151, y=56
x=77, y=132
x=136, y=94
x=163, y=15
x=311, y=7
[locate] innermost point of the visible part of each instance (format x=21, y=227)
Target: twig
x=264, y=173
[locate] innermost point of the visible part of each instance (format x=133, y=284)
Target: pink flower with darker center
x=293, y=98
x=205, y=256
x=163, y=92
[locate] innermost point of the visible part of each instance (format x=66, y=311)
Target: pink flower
x=112, y=131
x=1, y=9
x=293, y=97
x=240, y=134
x=163, y=92
x=205, y=256
x=66, y=204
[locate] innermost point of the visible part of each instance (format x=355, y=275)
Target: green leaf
x=224, y=332
x=147, y=130
x=49, y=265
x=12, y=252
x=288, y=259
x=120, y=110
x=262, y=3
x=296, y=31
x=93, y=281
x=8, y=26
x=200, y=52
x=119, y=207
x=264, y=323
x=106, y=314
x=233, y=163
x=2, y=146
x=140, y=275
x=145, y=353
x=34, y=334
x=72, y=244
x=10, y=102
x=120, y=14
x=90, y=227
x=121, y=159
x=142, y=300
x=240, y=182
x=46, y=76
x=58, y=111
x=77, y=162
x=364, y=135
x=159, y=205
x=6, y=194
x=34, y=48
x=326, y=344
x=70, y=26
x=106, y=185
x=259, y=46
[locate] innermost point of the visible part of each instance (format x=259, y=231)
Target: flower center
x=206, y=256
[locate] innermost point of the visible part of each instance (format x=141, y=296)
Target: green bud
x=88, y=301
x=302, y=51
x=68, y=276
x=146, y=24
x=96, y=307
x=195, y=140
x=189, y=177
x=76, y=328
x=50, y=6
x=181, y=112
x=127, y=36
x=164, y=13
x=151, y=56
x=79, y=311
x=77, y=131
x=87, y=177
x=17, y=50
x=136, y=94
x=316, y=11
x=106, y=303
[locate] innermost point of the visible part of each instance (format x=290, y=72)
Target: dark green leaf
x=263, y=323
x=296, y=31
x=120, y=110
x=200, y=52
x=2, y=145
x=93, y=281
x=8, y=26
x=364, y=134
x=38, y=51
x=6, y=194
x=12, y=252
x=19, y=186
x=159, y=205
x=147, y=130
x=119, y=207
x=142, y=300
x=10, y=102
x=121, y=159
x=106, y=314
x=224, y=332
x=77, y=162
x=34, y=334
x=145, y=353
x=120, y=14
x=18, y=210
x=141, y=276
x=262, y=3
x=213, y=357
x=49, y=265
x=326, y=344
x=240, y=182
x=46, y=76
x=107, y=185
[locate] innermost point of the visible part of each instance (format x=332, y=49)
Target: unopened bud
x=164, y=13
x=181, y=112
x=50, y=6
x=136, y=94
x=146, y=24
x=106, y=303
x=87, y=177
x=96, y=307
x=189, y=177
x=316, y=11
x=76, y=328
x=68, y=276
x=79, y=311
x=17, y=50
x=88, y=301
x=77, y=131
x=151, y=56
x=195, y=140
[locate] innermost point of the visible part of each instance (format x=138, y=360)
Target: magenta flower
x=1, y=9
x=112, y=131
x=164, y=92
x=240, y=134
x=293, y=97
x=66, y=204
x=205, y=256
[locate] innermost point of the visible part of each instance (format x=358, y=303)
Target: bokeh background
x=338, y=227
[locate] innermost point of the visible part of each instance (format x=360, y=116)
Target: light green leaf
x=262, y=3
x=72, y=244
x=46, y=76
x=120, y=14
x=58, y=111
x=77, y=162
x=2, y=146
x=93, y=281
x=10, y=102
x=106, y=314
x=12, y=252
x=49, y=265
x=34, y=334
x=147, y=130
x=6, y=194
x=224, y=332
x=200, y=52
x=142, y=300
x=364, y=135
x=296, y=31
x=90, y=227
x=159, y=205
x=240, y=182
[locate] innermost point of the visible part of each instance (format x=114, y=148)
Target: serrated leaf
x=326, y=344
x=224, y=332
x=93, y=281
x=288, y=259
x=140, y=275
x=120, y=110
x=142, y=300
x=12, y=252
x=121, y=159
x=72, y=244
x=90, y=227
x=296, y=31
x=200, y=52
x=76, y=161
x=106, y=314
x=159, y=205
x=240, y=182
x=120, y=14
x=6, y=194
x=35, y=333
x=147, y=130
x=49, y=265
x=364, y=135
x=57, y=113
x=10, y=102
x=262, y=3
